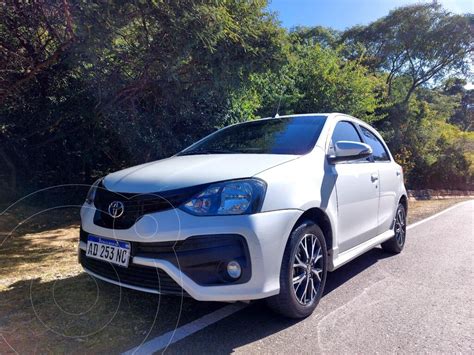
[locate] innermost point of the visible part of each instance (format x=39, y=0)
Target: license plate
x=114, y=251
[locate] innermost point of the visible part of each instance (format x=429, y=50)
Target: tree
x=88, y=87
x=316, y=79
x=33, y=37
x=433, y=152
x=310, y=36
x=120, y=83
x=423, y=42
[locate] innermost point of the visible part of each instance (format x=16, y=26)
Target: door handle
x=398, y=173
x=374, y=177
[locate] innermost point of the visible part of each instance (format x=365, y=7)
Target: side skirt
x=358, y=250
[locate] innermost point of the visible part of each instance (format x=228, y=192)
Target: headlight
x=228, y=198
x=92, y=191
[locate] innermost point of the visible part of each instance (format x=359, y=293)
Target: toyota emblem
x=116, y=209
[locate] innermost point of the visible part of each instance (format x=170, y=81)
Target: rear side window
x=345, y=131
x=379, y=151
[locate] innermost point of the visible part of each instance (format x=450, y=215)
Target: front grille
x=133, y=275
x=137, y=205
x=157, y=249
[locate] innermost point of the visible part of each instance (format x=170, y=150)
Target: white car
x=261, y=209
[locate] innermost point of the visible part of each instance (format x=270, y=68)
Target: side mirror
x=346, y=150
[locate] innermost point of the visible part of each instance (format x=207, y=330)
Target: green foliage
x=315, y=80
x=425, y=143
x=140, y=81
x=423, y=42
x=414, y=47
x=326, y=84
x=88, y=87
x=318, y=35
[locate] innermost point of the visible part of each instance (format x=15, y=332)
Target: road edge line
x=171, y=337
x=416, y=224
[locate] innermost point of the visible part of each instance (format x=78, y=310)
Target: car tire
x=294, y=300
x=395, y=244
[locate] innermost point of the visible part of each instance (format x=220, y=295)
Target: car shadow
x=353, y=268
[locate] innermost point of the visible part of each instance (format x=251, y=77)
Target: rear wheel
x=397, y=242
x=303, y=272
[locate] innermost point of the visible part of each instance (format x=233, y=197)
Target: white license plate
x=114, y=251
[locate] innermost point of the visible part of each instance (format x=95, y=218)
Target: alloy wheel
x=307, y=269
x=400, y=226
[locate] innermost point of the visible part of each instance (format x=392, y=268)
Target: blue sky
x=340, y=14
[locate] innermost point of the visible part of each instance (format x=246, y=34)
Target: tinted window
x=345, y=131
x=286, y=135
x=380, y=153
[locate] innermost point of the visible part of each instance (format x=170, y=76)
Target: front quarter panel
x=304, y=183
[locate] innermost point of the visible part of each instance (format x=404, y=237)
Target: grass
x=47, y=304
x=420, y=209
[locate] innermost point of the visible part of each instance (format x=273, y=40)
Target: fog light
x=233, y=269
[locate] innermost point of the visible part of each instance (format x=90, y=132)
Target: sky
x=341, y=14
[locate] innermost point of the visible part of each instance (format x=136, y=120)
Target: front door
x=357, y=189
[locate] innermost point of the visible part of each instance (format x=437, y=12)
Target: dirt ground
x=47, y=304
x=418, y=210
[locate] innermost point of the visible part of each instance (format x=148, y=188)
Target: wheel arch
x=404, y=201
x=319, y=217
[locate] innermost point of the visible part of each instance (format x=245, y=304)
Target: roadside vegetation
x=89, y=87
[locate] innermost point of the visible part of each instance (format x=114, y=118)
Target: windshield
x=286, y=135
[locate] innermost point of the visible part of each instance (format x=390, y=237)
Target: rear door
x=389, y=179
x=357, y=193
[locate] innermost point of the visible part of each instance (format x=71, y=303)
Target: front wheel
x=397, y=242
x=303, y=272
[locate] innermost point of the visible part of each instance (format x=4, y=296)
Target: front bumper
x=265, y=235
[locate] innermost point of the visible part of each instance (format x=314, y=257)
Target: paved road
x=419, y=301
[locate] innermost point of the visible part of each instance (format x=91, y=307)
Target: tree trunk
x=12, y=168
x=410, y=92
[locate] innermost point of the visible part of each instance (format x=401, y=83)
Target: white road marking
x=413, y=225
x=163, y=341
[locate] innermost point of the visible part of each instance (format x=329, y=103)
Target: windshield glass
x=286, y=135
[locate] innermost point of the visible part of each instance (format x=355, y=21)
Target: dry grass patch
x=420, y=209
x=48, y=304
x=46, y=255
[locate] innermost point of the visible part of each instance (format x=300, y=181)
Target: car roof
x=329, y=115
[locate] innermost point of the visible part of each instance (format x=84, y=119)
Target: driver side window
x=345, y=131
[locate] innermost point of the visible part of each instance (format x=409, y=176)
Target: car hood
x=189, y=170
